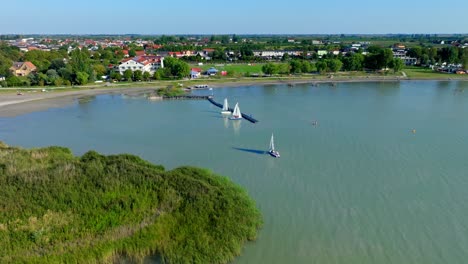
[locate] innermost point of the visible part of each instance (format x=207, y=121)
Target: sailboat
x=225, y=107
x=236, y=114
x=272, y=150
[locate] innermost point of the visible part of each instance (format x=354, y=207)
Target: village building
x=320, y=53
x=275, y=54
x=195, y=73
x=143, y=63
x=212, y=71
x=22, y=68
x=401, y=54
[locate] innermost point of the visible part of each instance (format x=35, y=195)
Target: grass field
x=425, y=73
x=237, y=68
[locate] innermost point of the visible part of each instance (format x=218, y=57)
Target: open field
x=425, y=73
x=237, y=68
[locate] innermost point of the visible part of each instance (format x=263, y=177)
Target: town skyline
x=243, y=17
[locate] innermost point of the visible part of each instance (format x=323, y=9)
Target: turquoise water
x=359, y=187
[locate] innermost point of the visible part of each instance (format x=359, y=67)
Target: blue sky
x=239, y=17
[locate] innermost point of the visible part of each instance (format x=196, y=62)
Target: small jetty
x=199, y=87
x=180, y=97
x=245, y=116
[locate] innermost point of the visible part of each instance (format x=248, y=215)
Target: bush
x=60, y=208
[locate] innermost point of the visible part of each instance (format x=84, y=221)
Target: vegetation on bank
x=58, y=208
x=173, y=90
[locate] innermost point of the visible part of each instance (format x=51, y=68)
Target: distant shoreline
x=34, y=100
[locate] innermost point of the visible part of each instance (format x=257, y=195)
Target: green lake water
x=358, y=187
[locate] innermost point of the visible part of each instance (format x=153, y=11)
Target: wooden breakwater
x=245, y=116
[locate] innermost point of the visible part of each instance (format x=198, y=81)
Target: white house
x=320, y=53
x=269, y=54
x=401, y=54
x=195, y=73
x=143, y=63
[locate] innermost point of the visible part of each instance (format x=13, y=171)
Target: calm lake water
x=359, y=187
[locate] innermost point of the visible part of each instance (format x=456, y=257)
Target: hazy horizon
x=238, y=34
x=297, y=17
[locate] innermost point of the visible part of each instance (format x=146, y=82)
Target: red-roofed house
x=195, y=73
x=143, y=63
x=22, y=68
x=140, y=53
x=176, y=54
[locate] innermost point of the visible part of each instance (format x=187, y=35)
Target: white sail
x=272, y=144
x=225, y=105
x=236, y=113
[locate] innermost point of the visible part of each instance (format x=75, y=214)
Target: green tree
x=306, y=66
x=13, y=81
x=33, y=79
x=159, y=74
x=80, y=61
x=116, y=76
x=96, y=56
x=128, y=74
x=432, y=53
x=137, y=75
x=5, y=64
x=464, y=59
x=82, y=78
x=42, y=79
x=321, y=66
x=284, y=68
x=415, y=52
x=66, y=73
x=296, y=66
x=52, y=75
x=131, y=53
x=56, y=64
x=107, y=55
x=396, y=65
x=225, y=39
x=270, y=68
x=146, y=76
x=353, y=62
x=59, y=82
x=174, y=68
x=100, y=70
x=334, y=65
x=386, y=57
x=381, y=58
x=448, y=54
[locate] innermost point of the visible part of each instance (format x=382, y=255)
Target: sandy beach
x=12, y=104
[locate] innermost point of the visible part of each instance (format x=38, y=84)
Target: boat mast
x=272, y=143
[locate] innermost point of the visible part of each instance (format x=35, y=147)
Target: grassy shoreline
x=33, y=99
x=58, y=208
x=407, y=74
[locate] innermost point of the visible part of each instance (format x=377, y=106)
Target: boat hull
x=274, y=154
x=235, y=118
x=226, y=112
